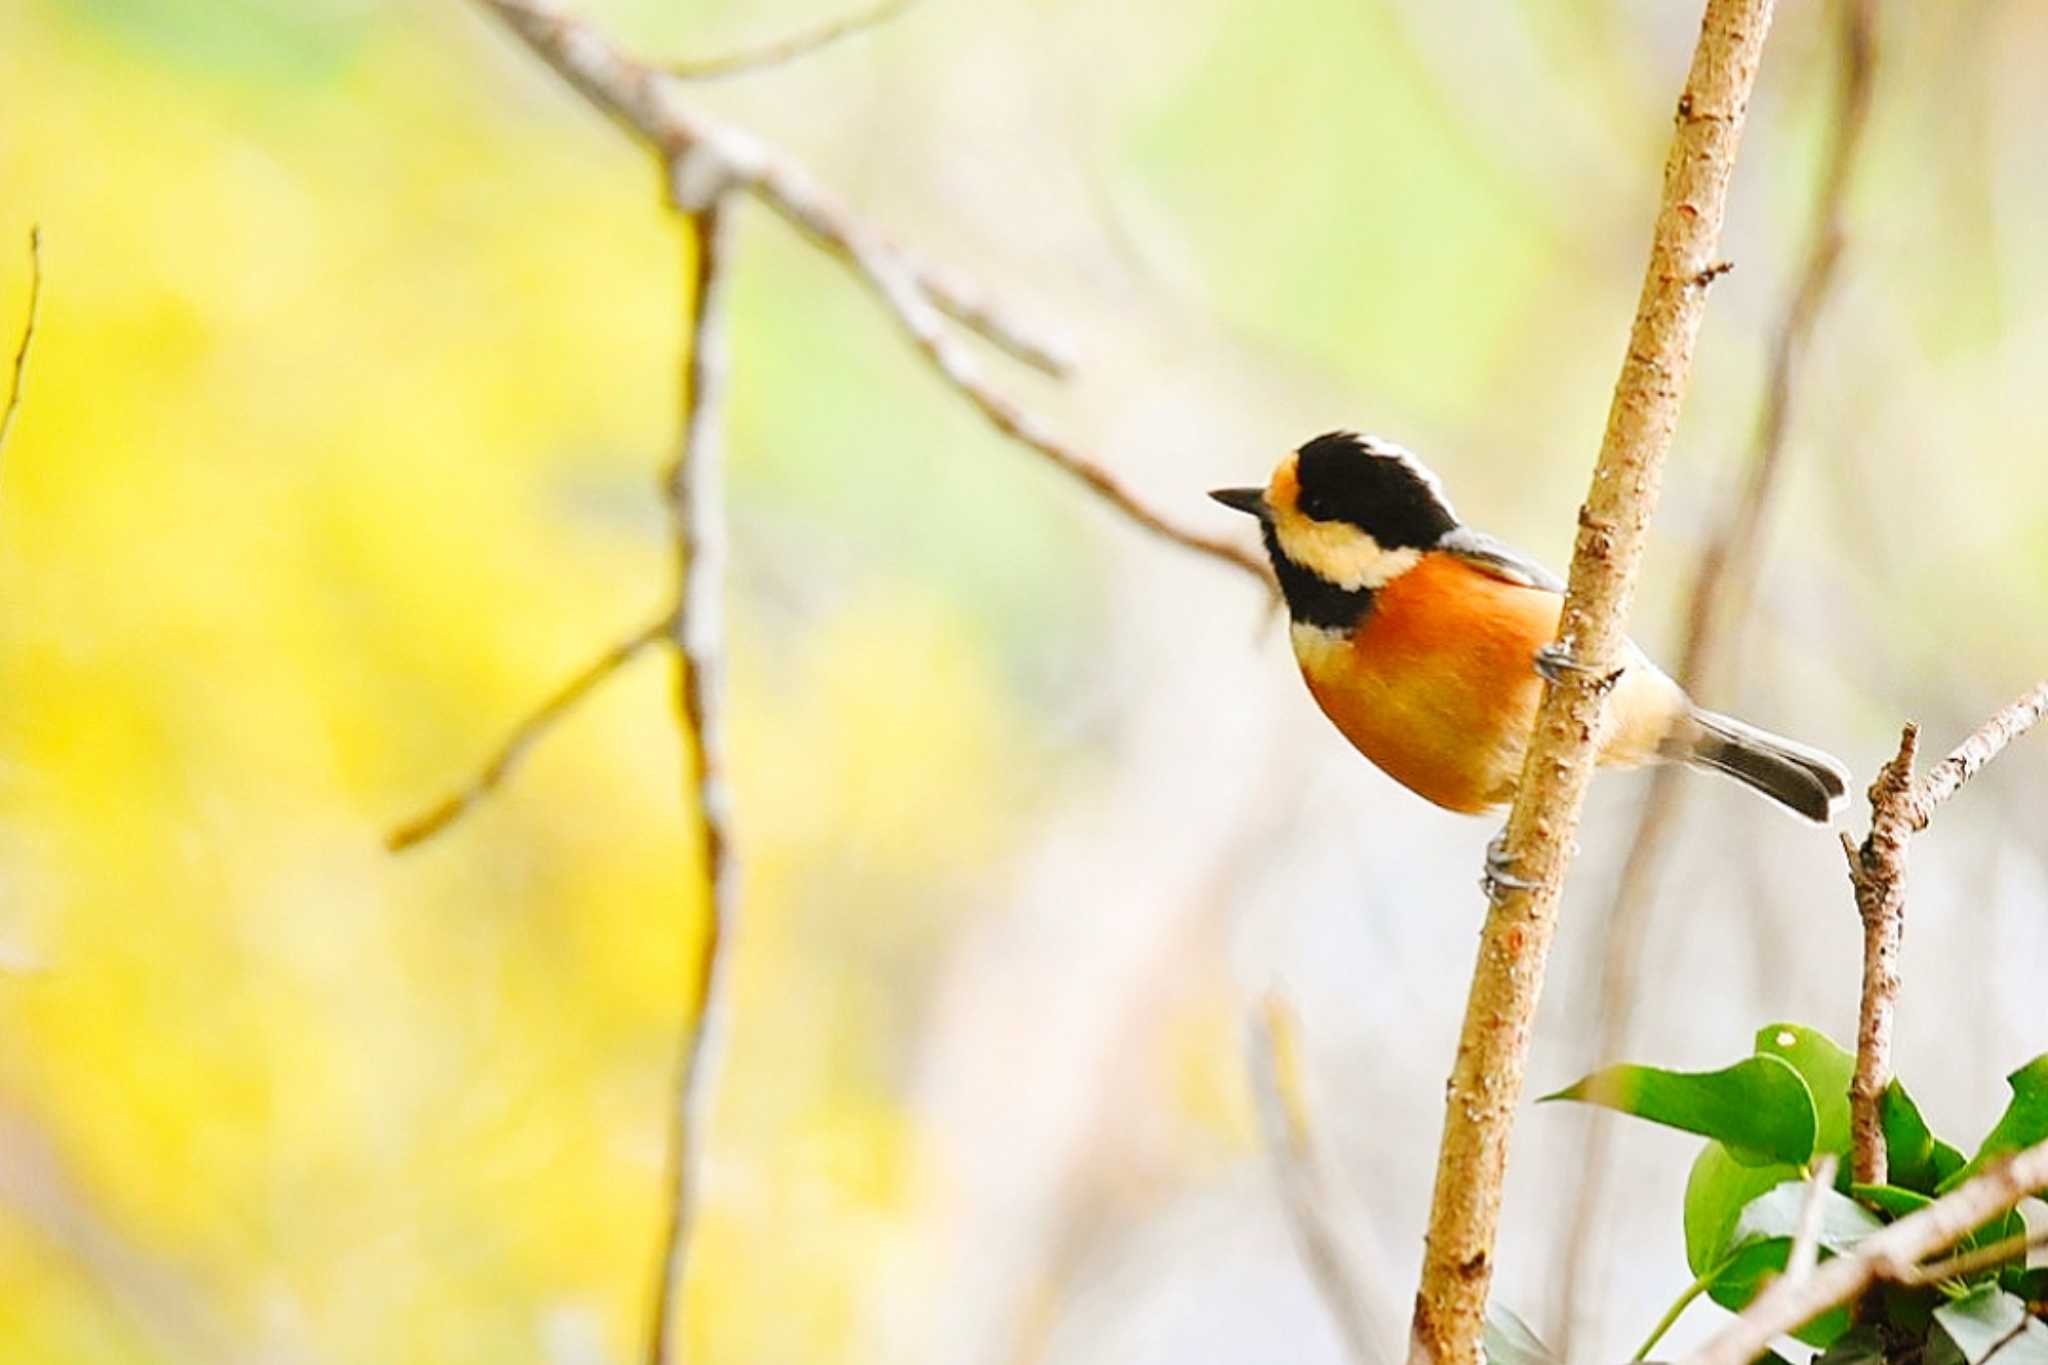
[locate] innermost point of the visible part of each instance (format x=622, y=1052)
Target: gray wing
x=1484, y=552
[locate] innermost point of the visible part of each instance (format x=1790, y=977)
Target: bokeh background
x=357, y=364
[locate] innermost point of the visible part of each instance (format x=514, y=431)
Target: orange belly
x=1437, y=685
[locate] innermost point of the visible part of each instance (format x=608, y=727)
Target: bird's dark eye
x=1314, y=506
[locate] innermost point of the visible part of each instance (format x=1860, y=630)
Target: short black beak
x=1252, y=500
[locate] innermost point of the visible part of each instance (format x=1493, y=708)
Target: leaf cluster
x=1769, y=1118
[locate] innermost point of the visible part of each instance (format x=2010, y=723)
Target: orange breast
x=1437, y=685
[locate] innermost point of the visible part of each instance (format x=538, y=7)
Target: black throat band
x=1313, y=600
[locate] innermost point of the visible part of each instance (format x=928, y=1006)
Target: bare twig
x=920, y=321
x=1486, y=1080
x=1900, y=807
x=788, y=49
x=1877, y=872
x=538, y=722
x=1273, y=1056
x=713, y=157
x=1800, y=1260
x=28, y=335
x=697, y=518
x=1967, y=759
x=1892, y=1254
x=1720, y=593
x=648, y=102
x=1982, y=1258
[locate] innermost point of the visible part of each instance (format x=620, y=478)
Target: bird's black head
x=1342, y=517
x=1373, y=485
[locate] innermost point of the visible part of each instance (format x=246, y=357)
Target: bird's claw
x=1499, y=878
x=1555, y=662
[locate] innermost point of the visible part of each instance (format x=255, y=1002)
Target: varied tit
x=1423, y=641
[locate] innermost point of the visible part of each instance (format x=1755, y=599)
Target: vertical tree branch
x=28, y=335
x=1877, y=871
x=1486, y=1080
x=1720, y=594
x=696, y=508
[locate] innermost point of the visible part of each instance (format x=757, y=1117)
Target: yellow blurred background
x=357, y=364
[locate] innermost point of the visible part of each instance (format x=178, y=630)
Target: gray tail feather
x=1798, y=778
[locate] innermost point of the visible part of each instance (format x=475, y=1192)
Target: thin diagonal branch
x=651, y=104
x=697, y=522
x=28, y=335
x=544, y=717
x=1899, y=808
x=1273, y=1057
x=1982, y=1258
x=1967, y=759
x=1891, y=1254
x=922, y=324
x=1805, y=1252
x=788, y=49
x=1507, y=981
x=1721, y=591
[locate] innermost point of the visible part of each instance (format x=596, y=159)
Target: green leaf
x=1891, y=1200
x=1947, y=1161
x=1992, y=1321
x=1908, y=1144
x=1826, y=1070
x=2030, y=1283
x=1911, y=1310
x=1750, y=1268
x=1762, y=1238
x=1715, y=1194
x=1720, y=1184
x=2024, y=1123
x=1510, y=1341
x=1776, y=1213
x=1759, y=1107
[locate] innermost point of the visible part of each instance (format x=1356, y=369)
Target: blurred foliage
x=356, y=372
x=357, y=365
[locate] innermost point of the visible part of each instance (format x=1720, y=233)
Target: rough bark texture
x=1721, y=591
x=1486, y=1080
x=1877, y=871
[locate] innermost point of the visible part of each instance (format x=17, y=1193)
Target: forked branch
x=1900, y=807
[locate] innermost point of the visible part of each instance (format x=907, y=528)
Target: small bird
x=1425, y=642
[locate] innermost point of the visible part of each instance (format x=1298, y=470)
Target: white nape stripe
x=1402, y=455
